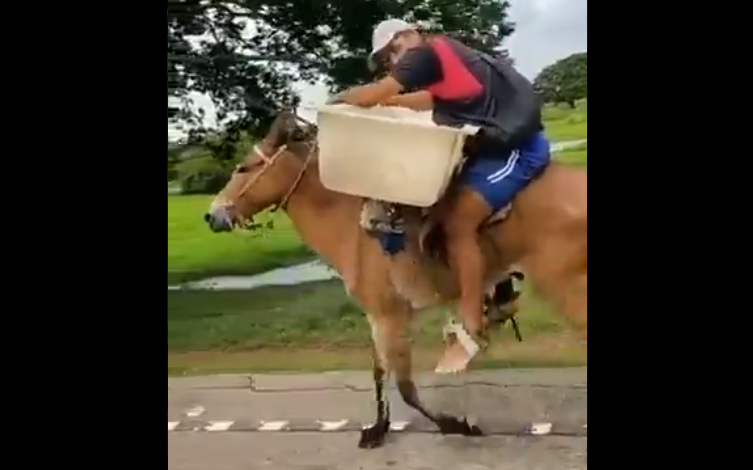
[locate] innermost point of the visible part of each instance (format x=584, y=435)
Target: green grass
x=194, y=252
x=316, y=326
x=563, y=123
x=576, y=156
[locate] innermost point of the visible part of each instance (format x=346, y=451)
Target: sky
x=547, y=30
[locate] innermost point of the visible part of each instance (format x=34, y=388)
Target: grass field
x=316, y=326
x=576, y=156
x=193, y=252
x=563, y=123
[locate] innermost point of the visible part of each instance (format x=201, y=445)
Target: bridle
x=269, y=162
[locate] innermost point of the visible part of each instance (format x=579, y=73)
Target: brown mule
x=545, y=233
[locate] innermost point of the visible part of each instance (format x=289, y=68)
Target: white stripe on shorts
x=506, y=170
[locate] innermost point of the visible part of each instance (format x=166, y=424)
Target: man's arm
x=418, y=101
x=372, y=94
x=418, y=69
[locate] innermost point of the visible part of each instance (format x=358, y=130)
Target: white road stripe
x=219, y=426
x=536, y=429
x=273, y=426
x=196, y=412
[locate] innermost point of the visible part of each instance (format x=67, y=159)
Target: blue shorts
x=498, y=180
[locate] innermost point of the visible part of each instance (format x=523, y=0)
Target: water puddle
x=290, y=276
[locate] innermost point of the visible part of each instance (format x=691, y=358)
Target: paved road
x=536, y=420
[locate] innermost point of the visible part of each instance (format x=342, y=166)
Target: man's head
x=391, y=39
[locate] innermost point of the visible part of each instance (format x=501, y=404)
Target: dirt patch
x=560, y=350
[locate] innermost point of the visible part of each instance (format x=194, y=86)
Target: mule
x=544, y=233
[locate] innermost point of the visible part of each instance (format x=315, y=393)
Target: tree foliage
x=210, y=50
x=565, y=81
x=203, y=174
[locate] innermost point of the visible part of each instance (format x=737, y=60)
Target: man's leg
x=462, y=221
x=488, y=185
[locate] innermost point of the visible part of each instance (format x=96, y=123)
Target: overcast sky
x=547, y=30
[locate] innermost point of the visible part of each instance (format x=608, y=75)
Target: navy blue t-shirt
x=421, y=67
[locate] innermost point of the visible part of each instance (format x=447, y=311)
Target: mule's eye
x=241, y=169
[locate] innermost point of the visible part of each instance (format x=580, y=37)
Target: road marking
x=399, y=426
x=333, y=426
x=219, y=426
x=196, y=412
x=346, y=425
x=273, y=426
x=541, y=429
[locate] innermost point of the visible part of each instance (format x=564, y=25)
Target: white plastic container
x=391, y=154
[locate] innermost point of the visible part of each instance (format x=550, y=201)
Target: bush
x=202, y=175
x=173, y=157
x=171, y=173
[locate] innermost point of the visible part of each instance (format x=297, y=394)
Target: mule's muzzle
x=220, y=220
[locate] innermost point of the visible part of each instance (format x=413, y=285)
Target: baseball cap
x=385, y=32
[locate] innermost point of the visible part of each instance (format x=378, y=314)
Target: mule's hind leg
x=447, y=424
x=561, y=276
x=575, y=302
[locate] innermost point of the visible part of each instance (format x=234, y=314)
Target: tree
x=245, y=75
x=565, y=81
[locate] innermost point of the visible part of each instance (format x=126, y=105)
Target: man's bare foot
x=462, y=348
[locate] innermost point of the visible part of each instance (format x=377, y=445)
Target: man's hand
x=418, y=101
x=370, y=95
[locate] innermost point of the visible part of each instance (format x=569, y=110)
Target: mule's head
x=267, y=177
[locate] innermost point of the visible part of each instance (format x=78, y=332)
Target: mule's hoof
x=449, y=425
x=374, y=436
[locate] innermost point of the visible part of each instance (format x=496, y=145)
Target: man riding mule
x=546, y=234
x=462, y=86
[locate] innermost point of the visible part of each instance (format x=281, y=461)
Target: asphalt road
x=534, y=420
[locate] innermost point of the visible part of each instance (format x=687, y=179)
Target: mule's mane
x=302, y=147
x=287, y=130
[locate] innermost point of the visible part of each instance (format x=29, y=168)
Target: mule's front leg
x=373, y=437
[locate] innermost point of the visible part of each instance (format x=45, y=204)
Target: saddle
x=383, y=219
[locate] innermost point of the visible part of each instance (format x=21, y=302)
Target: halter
x=269, y=162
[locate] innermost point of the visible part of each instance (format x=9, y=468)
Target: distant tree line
x=565, y=81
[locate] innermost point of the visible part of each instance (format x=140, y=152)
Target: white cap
x=386, y=31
